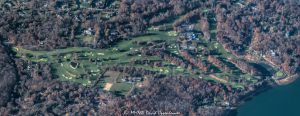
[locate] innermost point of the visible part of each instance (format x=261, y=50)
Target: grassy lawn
x=111, y=76
x=279, y=74
x=122, y=88
x=172, y=33
x=238, y=86
x=86, y=38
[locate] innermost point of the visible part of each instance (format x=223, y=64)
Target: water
x=278, y=101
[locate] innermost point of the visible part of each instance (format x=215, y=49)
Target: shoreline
x=249, y=95
x=265, y=86
x=287, y=80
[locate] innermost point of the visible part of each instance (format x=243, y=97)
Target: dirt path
x=108, y=86
x=217, y=78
